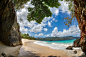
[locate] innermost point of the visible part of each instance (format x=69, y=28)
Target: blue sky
x=50, y=26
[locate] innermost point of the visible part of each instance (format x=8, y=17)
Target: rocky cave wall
x=9, y=28
x=80, y=13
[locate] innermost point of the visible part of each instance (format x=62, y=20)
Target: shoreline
x=30, y=49
x=29, y=45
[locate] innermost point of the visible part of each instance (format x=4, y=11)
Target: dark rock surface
x=69, y=48
x=75, y=52
x=9, y=28
x=80, y=14
x=76, y=43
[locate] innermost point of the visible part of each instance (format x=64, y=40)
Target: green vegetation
x=41, y=8
x=57, y=38
x=26, y=36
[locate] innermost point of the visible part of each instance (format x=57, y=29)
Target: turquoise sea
x=59, y=45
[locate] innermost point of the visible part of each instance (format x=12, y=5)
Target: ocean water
x=58, y=45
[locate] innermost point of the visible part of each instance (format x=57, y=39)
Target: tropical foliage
x=57, y=38
x=26, y=36
x=40, y=10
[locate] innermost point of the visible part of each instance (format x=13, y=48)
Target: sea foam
x=57, y=46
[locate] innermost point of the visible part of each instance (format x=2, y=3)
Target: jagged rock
x=75, y=52
x=9, y=28
x=3, y=54
x=83, y=45
x=14, y=36
x=76, y=43
x=80, y=13
x=69, y=48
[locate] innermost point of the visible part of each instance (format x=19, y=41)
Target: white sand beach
x=29, y=49
x=9, y=50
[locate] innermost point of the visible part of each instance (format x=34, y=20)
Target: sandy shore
x=9, y=50
x=30, y=49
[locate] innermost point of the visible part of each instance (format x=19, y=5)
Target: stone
x=75, y=52
x=9, y=28
x=14, y=35
x=69, y=48
x=80, y=14
x=76, y=43
x=3, y=54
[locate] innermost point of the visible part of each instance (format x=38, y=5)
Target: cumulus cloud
x=49, y=24
x=54, y=10
x=33, y=27
x=40, y=34
x=24, y=30
x=46, y=19
x=37, y=28
x=64, y=6
x=45, y=29
x=28, y=4
x=54, y=20
x=22, y=20
x=73, y=30
x=47, y=35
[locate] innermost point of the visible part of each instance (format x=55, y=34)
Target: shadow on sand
x=23, y=53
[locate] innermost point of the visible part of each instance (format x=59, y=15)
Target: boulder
x=83, y=45
x=3, y=55
x=75, y=52
x=80, y=43
x=76, y=43
x=69, y=48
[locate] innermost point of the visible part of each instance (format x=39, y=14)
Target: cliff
x=80, y=13
x=9, y=28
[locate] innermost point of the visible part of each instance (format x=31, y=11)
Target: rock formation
x=9, y=28
x=69, y=48
x=76, y=43
x=80, y=13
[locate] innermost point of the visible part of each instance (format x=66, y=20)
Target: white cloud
x=45, y=29
x=54, y=20
x=37, y=28
x=33, y=27
x=54, y=10
x=46, y=35
x=64, y=6
x=49, y=24
x=22, y=18
x=73, y=30
x=46, y=19
x=51, y=20
x=24, y=30
x=40, y=34
x=28, y=4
